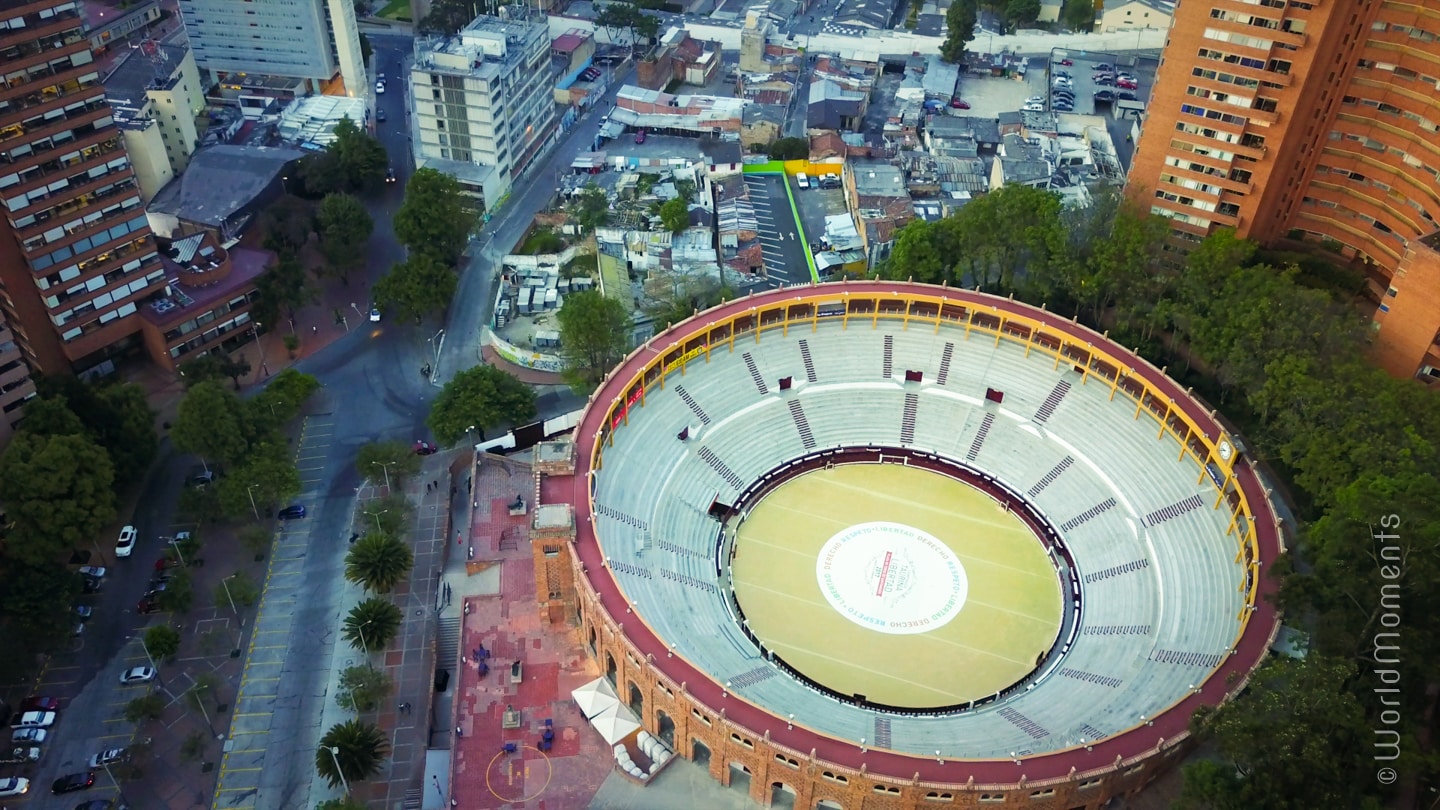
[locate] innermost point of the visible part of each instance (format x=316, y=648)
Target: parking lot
x=781, y=245
x=815, y=205
x=1082, y=75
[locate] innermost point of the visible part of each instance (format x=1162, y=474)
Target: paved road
x=781, y=246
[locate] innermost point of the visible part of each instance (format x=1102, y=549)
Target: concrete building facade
x=483, y=105
x=156, y=94
x=1309, y=123
x=305, y=39
x=77, y=258
x=207, y=301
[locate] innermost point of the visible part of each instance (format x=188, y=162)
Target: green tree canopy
x=1021, y=12
x=288, y=223
x=162, y=642
x=216, y=364
x=115, y=415
x=345, y=227
x=594, y=337
x=960, y=21
x=415, y=288
x=449, y=16
x=437, y=218
x=789, y=149
x=377, y=460
x=58, y=492
x=371, y=624
x=265, y=479
x=212, y=424
x=35, y=602
x=361, y=748
x=355, y=161
x=280, y=291
x=51, y=416
x=1078, y=15
x=378, y=562
x=362, y=688
x=685, y=296
x=675, y=215
x=482, y=397
x=591, y=207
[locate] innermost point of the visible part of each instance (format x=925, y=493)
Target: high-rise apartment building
x=76, y=255
x=159, y=104
x=301, y=39
x=1315, y=122
x=483, y=102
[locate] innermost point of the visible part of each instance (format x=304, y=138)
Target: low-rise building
x=575, y=49
x=679, y=58
x=1050, y=11
x=158, y=101
x=222, y=191
x=484, y=101
x=1022, y=161
x=207, y=300
x=694, y=115
x=1129, y=15
x=950, y=137
x=880, y=202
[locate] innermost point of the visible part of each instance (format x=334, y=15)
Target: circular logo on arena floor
x=891, y=578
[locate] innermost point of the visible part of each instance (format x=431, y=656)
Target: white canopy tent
x=615, y=723
x=595, y=697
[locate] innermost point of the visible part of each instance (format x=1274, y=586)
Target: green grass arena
x=900, y=584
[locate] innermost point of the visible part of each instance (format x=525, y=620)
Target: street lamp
x=255, y=328
x=376, y=515
x=225, y=583
x=249, y=491
x=385, y=466
x=364, y=647
x=113, y=780
x=335, y=757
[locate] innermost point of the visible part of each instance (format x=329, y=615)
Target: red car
x=166, y=562
x=1126, y=84
x=1067, y=62
x=146, y=606
x=640, y=136
x=423, y=448
x=959, y=104
x=40, y=703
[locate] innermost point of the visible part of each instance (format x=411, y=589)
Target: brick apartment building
x=1309, y=123
x=77, y=258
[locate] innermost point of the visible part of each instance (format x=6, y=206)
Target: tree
x=1078, y=15
x=449, y=16
x=147, y=707
x=238, y=587
x=1021, y=12
x=790, y=149
x=592, y=204
x=686, y=296
x=162, y=642
x=51, y=416
x=281, y=290
x=960, y=21
x=1295, y=738
x=355, y=161
x=675, y=215
x=379, y=462
x=437, y=218
x=378, y=562
x=594, y=336
x=58, y=492
x=115, y=415
x=211, y=423
x=371, y=624
x=482, y=397
x=288, y=391
x=179, y=593
x=288, y=223
x=266, y=479
x=356, y=748
x=36, y=600
x=216, y=364
x=416, y=287
x=628, y=17
x=345, y=226
x=362, y=688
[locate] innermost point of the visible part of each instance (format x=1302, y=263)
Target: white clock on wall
x=1225, y=450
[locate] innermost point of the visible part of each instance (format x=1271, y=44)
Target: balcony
x=79, y=200
x=39, y=155
x=49, y=75
x=43, y=174
x=46, y=99
x=36, y=28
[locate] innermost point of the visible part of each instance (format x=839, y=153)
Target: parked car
x=1061, y=106
x=1033, y=107
x=1104, y=95
x=110, y=756
x=73, y=782
x=91, y=584
x=156, y=588
x=146, y=606
x=374, y=314
x=1103, y=80
x=20, y=755
x=1129, y=76
x=424, y=448
x=166, y=562
x=96, y=571
x=379, y=116
x=33, y=720
x=959, y=104
x=202, y=478
x=1102, y=66
x=1126, y=84
x=14, y=786
x=1064, y=73
x=136, y=675
x=84, y=612
x=1066, y=62
x=40, y=703
x=101, y=804
x=1035, y=100
x=1126, y=95
x=1061, y=81
x=292, y=512
x=125, y=546
x=640, y=136
x=29, y=735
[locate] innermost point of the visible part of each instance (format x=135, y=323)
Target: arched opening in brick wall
x=699, y=753
x=782, y=795
x=666, y=727
x=740, y=777
x=828, y=804
x=610, y=668
x=637, y=700
x=592, y=641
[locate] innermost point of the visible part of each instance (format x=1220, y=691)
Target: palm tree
x=357, y=748
x=378, y=562
x=371, y=624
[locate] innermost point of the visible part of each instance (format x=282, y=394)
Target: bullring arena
x=888, y=545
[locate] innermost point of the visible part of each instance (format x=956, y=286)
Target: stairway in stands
x=907, y=419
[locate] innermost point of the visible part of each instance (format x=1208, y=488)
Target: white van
x=802, y=181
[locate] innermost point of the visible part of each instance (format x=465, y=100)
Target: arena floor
x=900, y=584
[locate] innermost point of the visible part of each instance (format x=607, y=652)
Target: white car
x=33, y=720
x=107, y=757
x=136, y=675
x=29, y=735
x=14, y=786
x=125, y=546
x=374, y=315
x=96, y=571
x=380, y=88
x=1032, y=107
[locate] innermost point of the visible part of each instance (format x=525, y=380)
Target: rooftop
x=486, y=48
x=183, y=301
x=154, y=66
x=569, y=41
x=312, y=119
x=220, y=181
x=879, y=180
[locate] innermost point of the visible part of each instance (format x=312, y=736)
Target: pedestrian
x=435, y=484
x=314, y=330
x=459, y=732
x=427, y=488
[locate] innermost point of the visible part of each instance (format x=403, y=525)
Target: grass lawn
x=397, y=10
